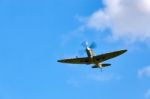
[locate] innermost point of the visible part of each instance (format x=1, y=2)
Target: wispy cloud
x=147, y=95
x=103, y=77
x=86, y=79
x=127, y=19
x=76, y=34
x=144, y=72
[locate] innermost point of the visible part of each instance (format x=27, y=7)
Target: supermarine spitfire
x=91, y=58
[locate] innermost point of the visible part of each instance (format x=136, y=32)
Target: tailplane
x=102, y=65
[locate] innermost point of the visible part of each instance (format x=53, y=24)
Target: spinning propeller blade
x=93, y=45
x=85, y=44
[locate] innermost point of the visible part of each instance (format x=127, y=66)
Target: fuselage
x=89, y=52
x=90, y=55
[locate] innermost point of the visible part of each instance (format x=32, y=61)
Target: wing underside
x=107, y=56
x=84, y=60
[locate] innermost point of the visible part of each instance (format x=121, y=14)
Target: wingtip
x=58, y=60
x=125, y=50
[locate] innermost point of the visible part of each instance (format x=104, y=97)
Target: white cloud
x=144, y=72
x=97, y=24
x=147, y=95
x=127, y=19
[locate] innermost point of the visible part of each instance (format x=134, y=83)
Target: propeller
x=92, y=45
x=85, y=44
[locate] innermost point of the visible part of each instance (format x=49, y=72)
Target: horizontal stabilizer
x=105, y=65
x=95, y=66
x=102, y=65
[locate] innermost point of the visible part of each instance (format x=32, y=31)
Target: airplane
x=91, y=58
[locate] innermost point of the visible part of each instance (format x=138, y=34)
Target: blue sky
x=35, y=33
